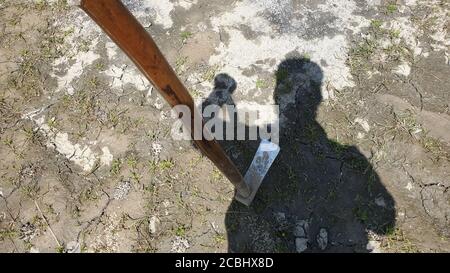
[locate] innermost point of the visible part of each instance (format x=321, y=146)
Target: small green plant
x=132, y=162
x=338, y=148
x=116, y=166
x=306, y=56
x=185, y=35
x=361, y=214
x=434, y=147
x=8, y=233
x=153, y=165
x=52, y=123
x=60, y=249
x=181, y=231
x=94, y=82
x=395, y=239
x=394, y=34
x=209, y=74
x=219, y=239
x=40, y=4
x=391, y=8
x=8, y=141
x=100, y=66
x=179, y=63
x=166, y=164
x=376, y=24
x=136, y=176
x=281, y=75
x=216, y=175
x=260, y=84
x=195, y=93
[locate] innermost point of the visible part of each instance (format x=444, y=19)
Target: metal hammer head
x=265, y=156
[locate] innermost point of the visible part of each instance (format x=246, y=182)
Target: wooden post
x=124, y=29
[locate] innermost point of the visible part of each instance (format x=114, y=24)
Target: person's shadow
x=318, y=195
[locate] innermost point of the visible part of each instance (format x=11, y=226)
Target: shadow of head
x=316, y=186
x=298, y=86
x=224, y=87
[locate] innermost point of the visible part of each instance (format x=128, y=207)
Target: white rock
x=374, y=247
x=73, y=247
x=300, y=229
x=410, y=186
x=301, y=244
x=364, y=124
x=403, y=70
x=322, y=238
x=380, y=202
x=154, y=221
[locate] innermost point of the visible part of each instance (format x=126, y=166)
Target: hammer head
x=264, y=157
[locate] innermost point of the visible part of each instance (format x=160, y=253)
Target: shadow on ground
x=319, y=195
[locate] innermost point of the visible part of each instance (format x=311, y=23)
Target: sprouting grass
x=261, y=84
x=180, y=231
x=394, y=33
x=376, y=24
x=116, y=166
x=435, y=148
x=8, y=233
x=391, y=8
x=281, y=75
x=209, y=74
x=219, y=239
x=180, y=63
x=361, y=214
x=216, y=175
x=360, y=56
x=166, y=164
x=185, y=35
x=195, y=93
x=60, y=249
x=338, y=148
x=396, y=240
x=306, y=56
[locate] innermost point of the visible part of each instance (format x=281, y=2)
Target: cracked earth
x=87, y=163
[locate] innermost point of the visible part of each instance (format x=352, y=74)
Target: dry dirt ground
x=87, y=163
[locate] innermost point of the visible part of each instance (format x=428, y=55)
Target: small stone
x=374, y=247
x=301, y=244
x=154, y=221
x=380, y=202
x=299, y=232
x=301, y=228
x=322, y=239
x=403, y=70
x=73, y=247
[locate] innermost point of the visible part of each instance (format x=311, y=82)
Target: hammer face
x=265, y=155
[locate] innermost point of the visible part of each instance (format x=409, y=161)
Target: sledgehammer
x=125, y=30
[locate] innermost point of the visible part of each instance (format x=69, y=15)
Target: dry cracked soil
x=87, y=163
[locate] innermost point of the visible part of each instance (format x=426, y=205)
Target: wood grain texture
x=124, y=29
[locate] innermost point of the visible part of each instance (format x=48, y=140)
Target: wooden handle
x=124, y=29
